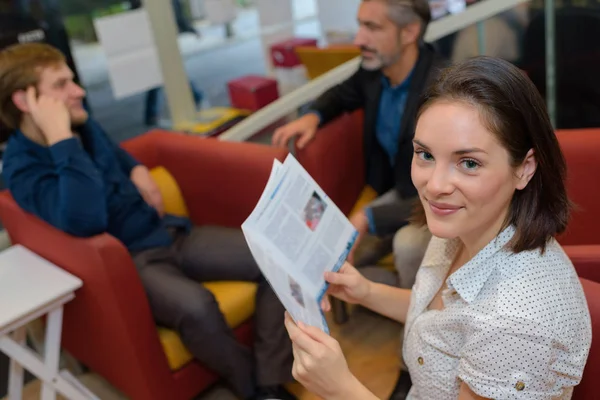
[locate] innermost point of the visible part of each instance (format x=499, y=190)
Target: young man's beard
x=78, y=118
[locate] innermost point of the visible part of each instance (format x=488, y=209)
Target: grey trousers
x=408, y=243
x=171, y=279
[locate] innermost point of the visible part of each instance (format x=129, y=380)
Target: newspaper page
x=296, y=234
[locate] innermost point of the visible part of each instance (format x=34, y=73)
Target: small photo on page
x=313, y=211
x=296, y=291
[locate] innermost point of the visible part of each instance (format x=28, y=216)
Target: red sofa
x=108, y=326
x=581, y=241
x=335, y=159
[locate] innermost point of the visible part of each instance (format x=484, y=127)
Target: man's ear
x=19, y=98
x=410, y=33
x=526, y=170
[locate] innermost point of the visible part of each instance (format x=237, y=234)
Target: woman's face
x=463, y=173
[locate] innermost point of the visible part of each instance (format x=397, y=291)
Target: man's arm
x=126, y=160
x=69, y=195
x=344, y=97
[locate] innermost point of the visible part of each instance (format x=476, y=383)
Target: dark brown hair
x=20, y=67
x=512, y=109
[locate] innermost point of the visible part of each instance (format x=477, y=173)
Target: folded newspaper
x=296, y=234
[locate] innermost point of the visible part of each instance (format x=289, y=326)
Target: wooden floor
x=370, y=343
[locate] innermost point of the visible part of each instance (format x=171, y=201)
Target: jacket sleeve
x=344, y=97
x=126, y=160
x=68, y=195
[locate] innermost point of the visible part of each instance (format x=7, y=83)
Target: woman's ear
x=526, y=170
x=19, y=98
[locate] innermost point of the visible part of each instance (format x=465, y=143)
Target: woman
x=497, y=310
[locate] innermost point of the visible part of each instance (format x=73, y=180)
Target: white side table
x=31, y=287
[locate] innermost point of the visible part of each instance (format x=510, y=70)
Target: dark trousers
x=178, y=301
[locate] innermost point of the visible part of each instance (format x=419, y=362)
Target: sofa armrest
x=587, y=388
x=586, y=259
x=108, y=326
x=335, y=159
x=220, y=181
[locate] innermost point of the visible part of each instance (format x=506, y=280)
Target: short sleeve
x=509, y=358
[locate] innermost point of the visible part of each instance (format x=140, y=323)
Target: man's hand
x=50, y=115
x=305, y=127
x=361, y=223
x=141, y=178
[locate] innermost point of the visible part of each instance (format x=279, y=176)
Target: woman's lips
x=443, y=209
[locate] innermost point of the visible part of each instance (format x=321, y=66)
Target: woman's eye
x=423, y=155
x=470, y=164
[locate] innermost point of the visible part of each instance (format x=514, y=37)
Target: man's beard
x=379, y=61
x=78, y=118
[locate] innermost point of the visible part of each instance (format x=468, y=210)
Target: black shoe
x=402, y=387
x=273, y=393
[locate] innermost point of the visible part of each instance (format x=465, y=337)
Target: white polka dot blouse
x=514, y=326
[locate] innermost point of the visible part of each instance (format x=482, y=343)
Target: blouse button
x=520, y=386
x=420, y=360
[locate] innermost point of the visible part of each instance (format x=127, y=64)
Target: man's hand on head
x=50, y=115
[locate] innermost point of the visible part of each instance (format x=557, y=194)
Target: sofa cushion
x=172, y=197
x=367, y=195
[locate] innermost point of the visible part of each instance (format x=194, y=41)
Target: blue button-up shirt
x=391, y=110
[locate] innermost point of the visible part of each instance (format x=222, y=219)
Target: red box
x=283, y=54
x=252, y=92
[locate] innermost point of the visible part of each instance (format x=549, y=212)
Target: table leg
x=46, y=368
x=52, y=350
x=15, y=378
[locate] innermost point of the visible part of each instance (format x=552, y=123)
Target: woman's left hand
x=319, y=364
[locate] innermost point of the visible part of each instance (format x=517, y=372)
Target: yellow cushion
x=367, y=195
x=236, y=301
x=318, y=61
x=172, y=197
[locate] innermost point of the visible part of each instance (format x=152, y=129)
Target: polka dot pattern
x=514, y=326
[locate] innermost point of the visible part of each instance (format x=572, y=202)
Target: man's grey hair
x=404, y=12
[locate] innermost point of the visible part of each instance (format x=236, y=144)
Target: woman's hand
x=319, y=364
x=348, y=285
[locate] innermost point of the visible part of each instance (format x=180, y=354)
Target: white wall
x=338, y=15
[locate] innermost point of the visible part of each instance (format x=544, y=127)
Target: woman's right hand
x=348, y=285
